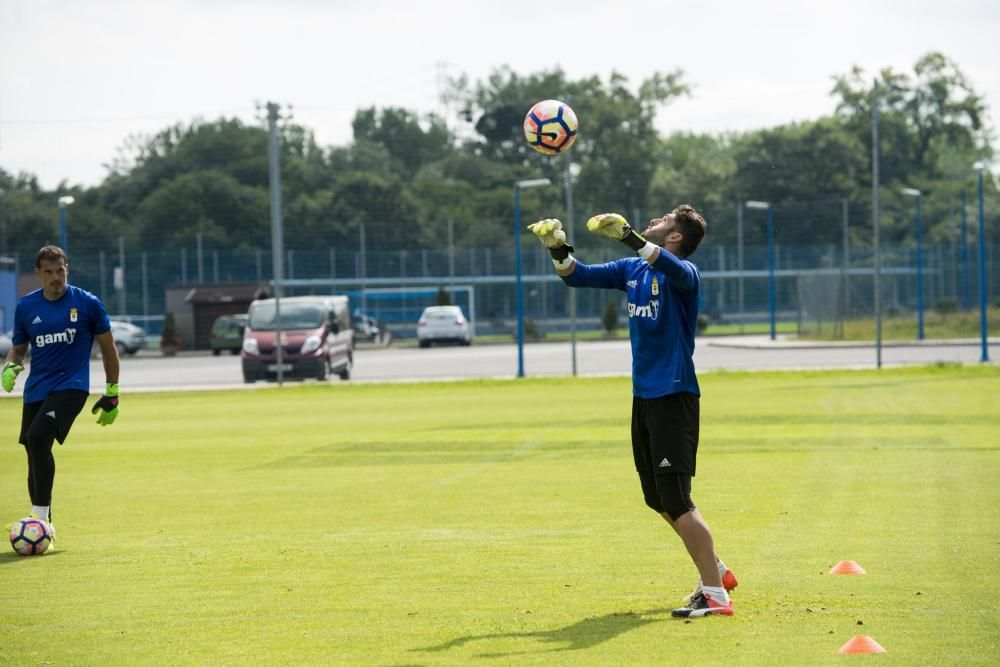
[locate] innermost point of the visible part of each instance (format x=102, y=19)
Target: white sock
x=718, y=594
x=722, y=567
x=42, y=511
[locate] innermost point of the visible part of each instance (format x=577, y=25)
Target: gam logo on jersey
x=650, y=311
x=66, y=336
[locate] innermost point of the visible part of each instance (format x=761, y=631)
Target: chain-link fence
x=819, y=284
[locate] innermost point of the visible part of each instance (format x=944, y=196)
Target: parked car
x=368, y=329
x=316, y=338
x=443, y=324
x=227, y=333
x=129, y=339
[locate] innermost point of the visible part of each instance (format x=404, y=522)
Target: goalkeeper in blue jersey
x=61, y=323
x=662, y=288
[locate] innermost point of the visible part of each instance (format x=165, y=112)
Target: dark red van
x=316, y=338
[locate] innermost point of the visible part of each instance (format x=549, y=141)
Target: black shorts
x=61, y=407
x=665, y=434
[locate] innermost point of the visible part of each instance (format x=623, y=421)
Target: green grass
x=621, y=333
x=937, y=326
x=501, y=523
x=751, y=328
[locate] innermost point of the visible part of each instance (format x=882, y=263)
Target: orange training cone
x=861, y=644
x=847, y=567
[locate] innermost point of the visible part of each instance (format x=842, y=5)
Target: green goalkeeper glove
x=10, y=372
x=552, y=236
x=108, y=406
x=616, y=227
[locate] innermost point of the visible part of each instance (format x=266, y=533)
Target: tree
x=618, y=144
x=804, y=168
x=30, y=215
x=405, y=138
x=932, y=127
x=206, y=202
x=697, y=169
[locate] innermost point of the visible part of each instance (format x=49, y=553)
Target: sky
x=79, y=77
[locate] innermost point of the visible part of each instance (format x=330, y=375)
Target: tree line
x=410, y=176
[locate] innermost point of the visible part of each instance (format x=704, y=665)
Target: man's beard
x=655, y=236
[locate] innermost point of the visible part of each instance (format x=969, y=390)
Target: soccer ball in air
x=550, y=127
x=30, y=536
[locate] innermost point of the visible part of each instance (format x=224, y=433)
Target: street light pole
x=964, y=233
x=64, y=201
x=277, y=230
x=568, y=185
x=876, y=229
x=771, y=286
x=739, y=261
x=913, y=192
x=3, y=226
x=846, y=264
x=519, y=296
x=983, y=324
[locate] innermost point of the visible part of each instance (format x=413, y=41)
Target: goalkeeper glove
x=616, y=227
x=552, y=236
x=10, y=371
x=108, y=405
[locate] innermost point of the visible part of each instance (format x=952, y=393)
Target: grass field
x=937, y=326
x=940, y=326
x=482, y=523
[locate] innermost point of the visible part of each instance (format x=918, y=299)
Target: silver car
x=129, y=339
x=444, y=324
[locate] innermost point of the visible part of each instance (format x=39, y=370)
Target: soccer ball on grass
x=30, y=536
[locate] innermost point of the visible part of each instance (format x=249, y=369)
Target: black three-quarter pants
x=665, y=449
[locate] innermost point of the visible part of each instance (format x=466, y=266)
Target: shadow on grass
x=12, y=558
x=581, y=635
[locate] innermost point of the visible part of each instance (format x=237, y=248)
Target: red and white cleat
x=703, y=605
x=729, y=582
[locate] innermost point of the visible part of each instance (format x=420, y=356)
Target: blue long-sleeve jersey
x=662, y=318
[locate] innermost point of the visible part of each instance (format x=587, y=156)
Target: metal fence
x=821, y=260
x=807, y=277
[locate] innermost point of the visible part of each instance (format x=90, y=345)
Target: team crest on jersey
x=73, y=315
x=656, y=287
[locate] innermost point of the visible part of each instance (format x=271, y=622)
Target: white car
x=443, y=324
x=129, y=339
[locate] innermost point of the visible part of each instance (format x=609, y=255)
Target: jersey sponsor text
x=66, y=336
x=651, y=310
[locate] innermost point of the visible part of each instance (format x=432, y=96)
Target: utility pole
x=877, y=228
x=277, y=234
x=3, y=226
x=122, y=294
x=568, y=186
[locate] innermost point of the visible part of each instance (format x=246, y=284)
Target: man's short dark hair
x=50, y=253
x=692, y=227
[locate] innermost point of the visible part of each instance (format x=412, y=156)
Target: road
x=150, y=372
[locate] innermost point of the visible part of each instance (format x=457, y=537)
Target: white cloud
x=76, y=78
